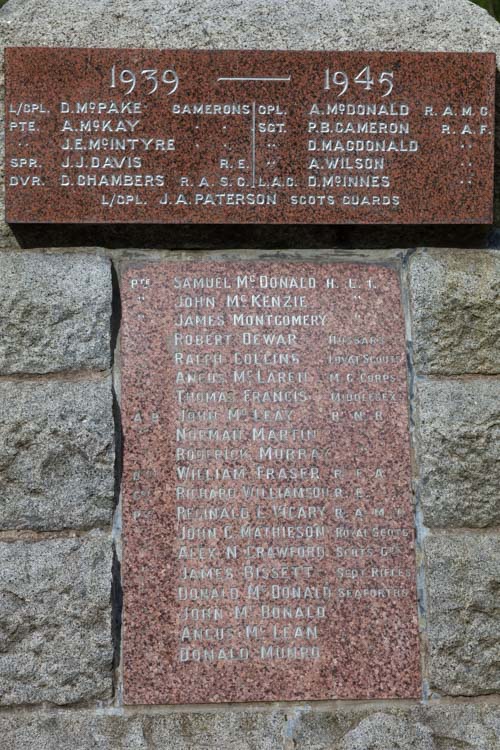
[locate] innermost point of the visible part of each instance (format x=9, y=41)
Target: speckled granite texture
x=201, y=370
x=249, y=137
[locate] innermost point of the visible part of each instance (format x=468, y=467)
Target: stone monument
x=249, y=376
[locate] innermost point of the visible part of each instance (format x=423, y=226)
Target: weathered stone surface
x=55, y=620
x=361, y=729
x=460, y=727
x=459, y=451
x=463, y=726
x=453, y=25
x=250, y=730
x=56, y=454
x=346, y=729
x=352, y=24
x=224, y=730
x=455, y=300
x=381, y=731
x=54, y=312
x=463, y=582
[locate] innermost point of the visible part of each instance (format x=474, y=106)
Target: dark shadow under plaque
x=248, y=137
x=268, y=525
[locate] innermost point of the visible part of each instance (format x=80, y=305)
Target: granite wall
x=60, y=682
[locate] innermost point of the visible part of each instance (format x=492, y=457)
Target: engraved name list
x=174, y=136
x=268, y=529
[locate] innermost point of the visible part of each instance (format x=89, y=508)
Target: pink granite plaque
x=249, y=136
x=268, y=526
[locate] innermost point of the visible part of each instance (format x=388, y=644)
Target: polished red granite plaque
x=182, y=136
x=268, y=526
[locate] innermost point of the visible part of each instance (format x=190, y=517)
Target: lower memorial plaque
x=268, y=526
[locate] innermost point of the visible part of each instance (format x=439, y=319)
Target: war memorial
x=249, y=376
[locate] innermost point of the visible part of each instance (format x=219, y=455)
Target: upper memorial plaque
x=181, y=136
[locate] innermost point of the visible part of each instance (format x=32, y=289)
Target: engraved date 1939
x=168, y=79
